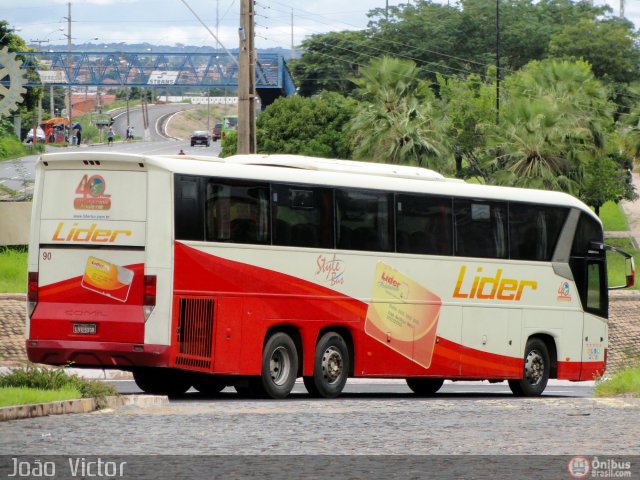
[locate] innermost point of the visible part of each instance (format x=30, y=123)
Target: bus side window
x=480, y=228
x=237, y=212
x=302, y=216
x=588, y=267
x=364, y=220
x=594, y=286
x=423, y=224
x=534, y=230
x=188, y=212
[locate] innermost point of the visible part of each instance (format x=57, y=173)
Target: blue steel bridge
x=151, y=69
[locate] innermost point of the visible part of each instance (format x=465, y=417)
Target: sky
x=170, y=22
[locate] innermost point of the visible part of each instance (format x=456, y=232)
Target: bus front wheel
x=330, y=367
x=279, y=366
x=425, y=386
x=537, y=365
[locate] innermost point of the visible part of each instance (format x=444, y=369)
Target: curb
x=81, y=405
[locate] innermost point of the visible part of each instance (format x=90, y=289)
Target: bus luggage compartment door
x=204, y=329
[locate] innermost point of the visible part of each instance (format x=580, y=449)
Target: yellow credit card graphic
x=403, y=315
x=107, y=279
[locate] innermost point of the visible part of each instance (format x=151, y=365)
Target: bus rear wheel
x=537, y=365
x=425, y=386
x=330, y=367
x=162, y=381
x=279, y=367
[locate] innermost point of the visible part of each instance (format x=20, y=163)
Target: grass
x=13, y=270
x=613, y=217
x=24, y=396
x=615, y=262
x=56, y=380
x=626, y=382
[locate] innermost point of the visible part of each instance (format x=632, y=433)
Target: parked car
x=39, y=135
x=217, y=132
x=200, y=137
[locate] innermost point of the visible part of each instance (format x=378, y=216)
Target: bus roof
x=318, y=171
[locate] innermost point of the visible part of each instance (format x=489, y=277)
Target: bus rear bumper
x=97, y=354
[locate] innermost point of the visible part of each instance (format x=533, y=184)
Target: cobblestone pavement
x=371, y=425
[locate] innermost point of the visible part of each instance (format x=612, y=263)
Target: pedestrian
x=131, y=133
x=128, y=135
x=181, y=152
x=78, y=136
x=110, y=135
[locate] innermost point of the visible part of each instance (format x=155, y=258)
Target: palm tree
x=555, y=121
x=398, y=120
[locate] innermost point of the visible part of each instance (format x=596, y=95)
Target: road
x=464, y=420
x=18, y=174
x=398, y=388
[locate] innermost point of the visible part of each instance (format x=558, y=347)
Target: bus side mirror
x=619, y=264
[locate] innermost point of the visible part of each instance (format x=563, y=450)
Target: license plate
x=84, y=328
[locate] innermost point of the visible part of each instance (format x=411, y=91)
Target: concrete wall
x=15, y=221
x=624, y=329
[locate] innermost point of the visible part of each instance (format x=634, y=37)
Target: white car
x=39, y=135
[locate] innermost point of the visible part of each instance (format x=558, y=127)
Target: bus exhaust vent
x=195, y=332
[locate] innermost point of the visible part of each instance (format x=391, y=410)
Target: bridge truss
x=151, y=69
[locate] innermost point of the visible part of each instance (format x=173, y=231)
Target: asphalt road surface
x=18, y=174
x=462, y=420
x=362, y=388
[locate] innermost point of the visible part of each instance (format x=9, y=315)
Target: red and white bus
x=253, y=271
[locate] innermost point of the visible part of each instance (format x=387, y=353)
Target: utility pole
x=293, y=45
x=621, y=8
x=69, y=64
x=247, y=81
x=497, y=62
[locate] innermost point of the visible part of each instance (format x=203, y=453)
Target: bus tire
x=330, y=367
x=310, y=385
x=279, y=367
x=209, y=385
x=161, y=381
x=425, y=386
x=537, y=365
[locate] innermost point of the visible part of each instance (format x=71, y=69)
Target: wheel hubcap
x=280, y=366
x=534, y=367
x=332, y=364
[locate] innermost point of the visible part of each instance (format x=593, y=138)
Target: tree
x=604, y=181
x=229, y=144
x=609, y=46
x=399, y=119
x=556, y=119
x=327, y=61
x=456, y=39
x=306, y=126
x=470, y=105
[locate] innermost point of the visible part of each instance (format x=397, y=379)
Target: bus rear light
x=149, y=300
x=32, y=292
